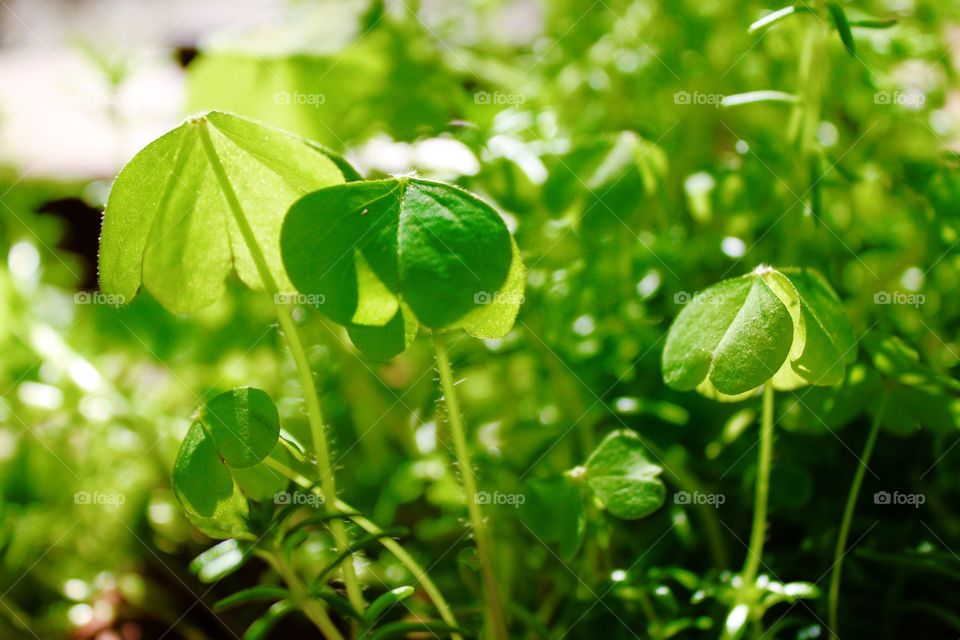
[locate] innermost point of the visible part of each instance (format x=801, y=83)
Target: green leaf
x=898, y=361
x=167, y=224
x=359, y=544
x=385, y=602
x=496, y=311
x=362, y=247
x=221, y=560
x=733, y=336
x=839, y=17
x=404, y=629
x=752, y=97
x=262, y=626
x=874, y=23
x=828, y=339
x=623, y=477
x=244, y=424
x=553, y=510
x=337, y=602
x=200, y=479
x=253, y=594
x=383, y=343
x=609, y=174
x=771, y=18
x=261, y=482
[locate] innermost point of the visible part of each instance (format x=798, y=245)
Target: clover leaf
x=222, y=457
x=622, y=476
x=244, y=425
x=383, y=257
x=733, y=336
x=787, y=326
x=167, y=223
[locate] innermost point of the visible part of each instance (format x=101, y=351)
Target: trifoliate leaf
x=200, y=479
x=362, y=247
x=828, y=341
x=734, y=335
x=244, y=424
x=167, y=223
x=621, y=474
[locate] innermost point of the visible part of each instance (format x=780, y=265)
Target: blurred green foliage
x=597, y=129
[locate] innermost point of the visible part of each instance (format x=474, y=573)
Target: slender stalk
x=495, y=622
x=316, y=613
x=759, y=529
x=840, y=550
x=419, y=573
x=311, y=398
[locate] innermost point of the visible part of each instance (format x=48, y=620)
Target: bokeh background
x=596, y=129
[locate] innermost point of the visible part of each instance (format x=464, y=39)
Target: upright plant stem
x=840, y=550
x=311, y=398
x=495, y=623
x=759, y=530
x=419, y=573
x=317, y=614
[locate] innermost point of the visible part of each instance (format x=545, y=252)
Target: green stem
x=758, y=531
x=495, y=622
x=391, y=545
x=311, y=398
x=316, y=613
x=840, y=550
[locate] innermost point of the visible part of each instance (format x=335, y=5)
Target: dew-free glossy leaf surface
x=735, y=334
x=621, y=474
x=167, y=224
x=829, y=343
x=244, y=424
x=365, y=246
x=200, y=478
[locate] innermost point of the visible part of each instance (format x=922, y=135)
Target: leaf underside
x=167, y=224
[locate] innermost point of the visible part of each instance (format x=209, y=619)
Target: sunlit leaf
x=200, y=478
x=362, y=247
x=244, y=424
x=167, y=224
x=734, y=335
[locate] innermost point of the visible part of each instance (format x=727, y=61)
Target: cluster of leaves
x=622, y=200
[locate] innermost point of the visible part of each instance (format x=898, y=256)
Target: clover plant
x=770, y=329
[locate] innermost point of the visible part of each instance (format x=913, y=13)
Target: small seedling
x=204, y=200
x=770, y=329
x=389, y=256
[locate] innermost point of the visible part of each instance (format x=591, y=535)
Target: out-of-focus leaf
x=621, y=474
